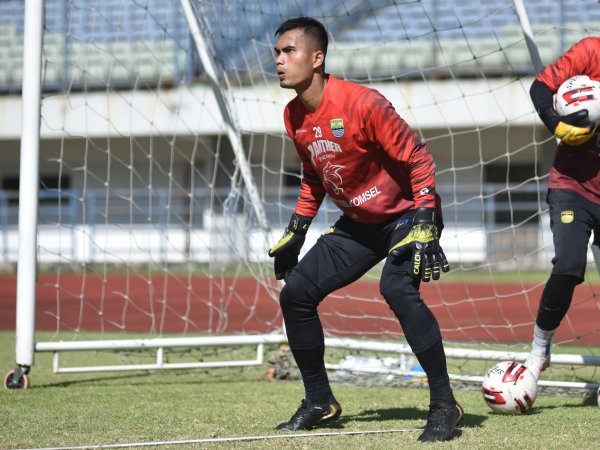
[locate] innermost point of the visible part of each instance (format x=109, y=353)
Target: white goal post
x=155, y=172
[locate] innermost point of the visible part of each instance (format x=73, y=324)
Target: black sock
x=433, y=361
x=314, y=376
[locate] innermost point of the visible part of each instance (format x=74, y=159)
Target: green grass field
x=119, y=408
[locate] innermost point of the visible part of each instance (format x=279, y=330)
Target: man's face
x=296, y=57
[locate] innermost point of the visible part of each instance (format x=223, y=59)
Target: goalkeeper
x=354, y=147
x=573, y=192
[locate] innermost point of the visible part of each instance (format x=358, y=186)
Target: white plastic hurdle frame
x=260, y=340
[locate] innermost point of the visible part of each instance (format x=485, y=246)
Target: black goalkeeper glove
x=423, y=241
x=575, y=128
x=286, y=251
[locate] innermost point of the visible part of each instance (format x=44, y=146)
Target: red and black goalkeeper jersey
x=360, y=152
x=576, y=168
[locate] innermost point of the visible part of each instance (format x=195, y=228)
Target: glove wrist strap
x=424, y=215
x=299, y=224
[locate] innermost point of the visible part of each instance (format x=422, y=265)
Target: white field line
x=230, y=439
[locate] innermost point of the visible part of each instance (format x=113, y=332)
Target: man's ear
x=319, y=59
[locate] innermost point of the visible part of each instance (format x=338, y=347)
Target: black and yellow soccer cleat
x=441, y=420
x=309, y=416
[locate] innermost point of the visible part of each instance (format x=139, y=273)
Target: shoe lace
x=303, y=406
x=437, y=416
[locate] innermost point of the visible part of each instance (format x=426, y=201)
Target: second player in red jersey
x=355, y=148
x=573, y=192
x=576, y=163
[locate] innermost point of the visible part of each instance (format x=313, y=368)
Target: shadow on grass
x=140, y=378
x=399, y=414
x=96, y=381
x=585, y=401
x=471, y=420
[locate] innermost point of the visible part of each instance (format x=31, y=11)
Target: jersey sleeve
x=312, y=191
x=575, y=61
x=390, y=132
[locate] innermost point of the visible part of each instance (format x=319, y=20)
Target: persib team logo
x=567, y=216
x=337, y=127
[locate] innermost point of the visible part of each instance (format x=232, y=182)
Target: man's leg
x=337, y=259
x=571, y=224
x=422, y=333
x=554, y=304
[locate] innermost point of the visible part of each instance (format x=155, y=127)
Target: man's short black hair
x=311, y=27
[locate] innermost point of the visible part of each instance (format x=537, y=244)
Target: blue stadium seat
x=474, y=35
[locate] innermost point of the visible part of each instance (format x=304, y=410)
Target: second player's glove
x=286, y=251
x=575, y=128
x=422, y=241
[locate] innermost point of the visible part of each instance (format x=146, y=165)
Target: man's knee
x=299, y=301
x=402, y=290
x=298, y=295
x=416, y=319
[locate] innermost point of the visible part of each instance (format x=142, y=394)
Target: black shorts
x=349, y=249
x=572, y=220
x=342, y=255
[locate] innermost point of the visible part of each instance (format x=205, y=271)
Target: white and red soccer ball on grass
x=509, y=388
x=579, y=92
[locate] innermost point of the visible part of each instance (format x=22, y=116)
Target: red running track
x=482, y=312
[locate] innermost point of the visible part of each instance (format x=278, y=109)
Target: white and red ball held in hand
x=579, y=92
x=510, y=388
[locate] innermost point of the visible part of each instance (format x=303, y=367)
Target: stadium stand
x=371, y=40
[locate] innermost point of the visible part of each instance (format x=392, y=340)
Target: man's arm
x=573, y=129
x=385, y=127
x=286, y=251
x=312, y=191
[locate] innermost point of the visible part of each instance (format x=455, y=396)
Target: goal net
x=166, y=173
